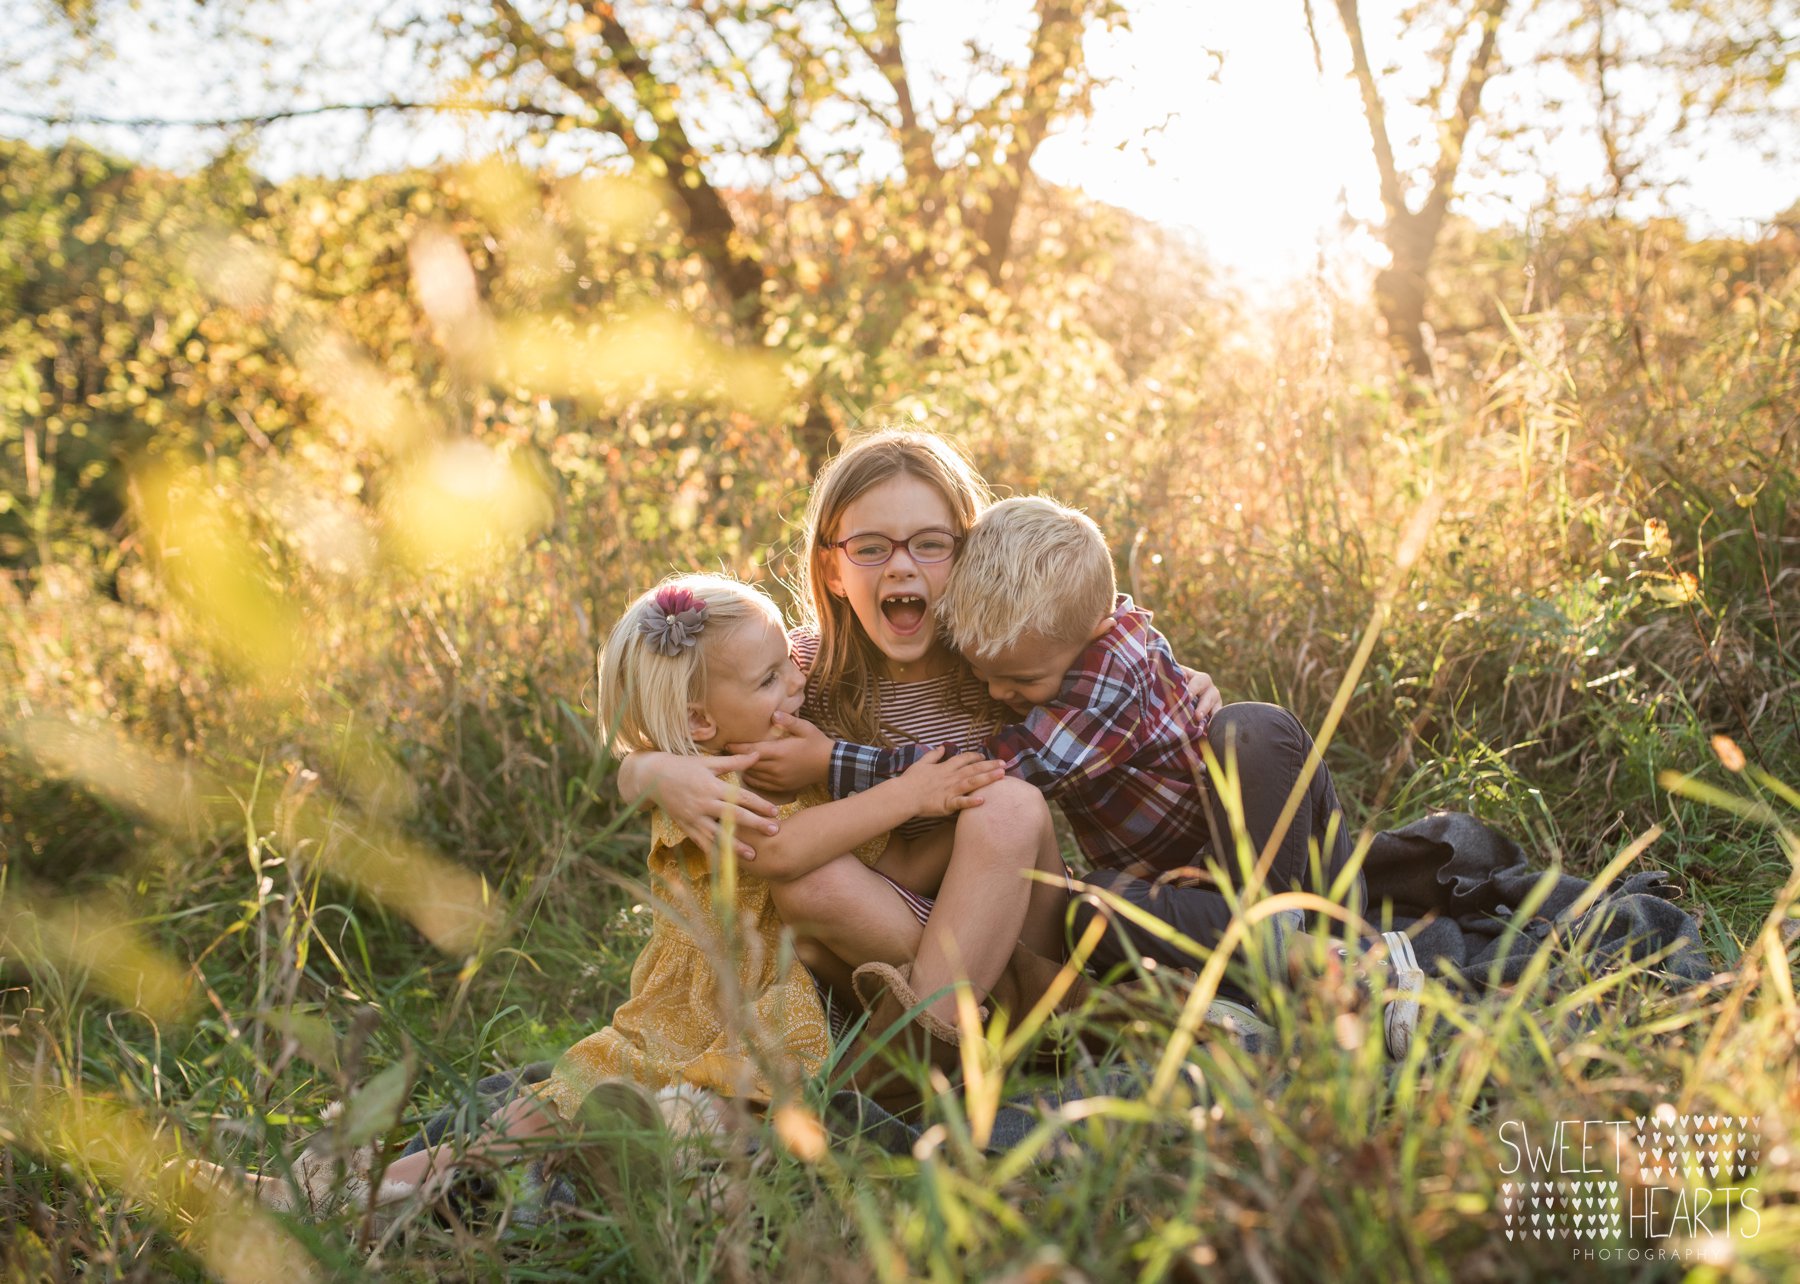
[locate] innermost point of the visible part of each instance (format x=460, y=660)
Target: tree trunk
x=1055, y=54
x=1400, y=293
x=1410, y=234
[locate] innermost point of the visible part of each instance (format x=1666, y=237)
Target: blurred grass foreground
x=318, y=496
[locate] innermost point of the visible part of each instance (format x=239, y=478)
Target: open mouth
x=904, y=612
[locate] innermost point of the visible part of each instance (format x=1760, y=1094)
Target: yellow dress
x=685, y=1022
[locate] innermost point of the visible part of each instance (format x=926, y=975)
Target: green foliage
x=413, y=421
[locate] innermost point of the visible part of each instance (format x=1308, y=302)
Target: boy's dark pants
x=1270, y=747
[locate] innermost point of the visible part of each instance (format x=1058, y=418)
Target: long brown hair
x=842, y=678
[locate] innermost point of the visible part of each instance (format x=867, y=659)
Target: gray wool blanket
x=1465, y=882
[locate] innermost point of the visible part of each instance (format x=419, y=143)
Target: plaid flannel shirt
x=1117, y=749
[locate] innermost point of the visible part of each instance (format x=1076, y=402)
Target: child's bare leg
x=844, y=918
x=851, y=911
x=981, y=910
x=830, y=970
x=919, y=863
x=265, y=1188
x=1047, y=910
x=520, y=1119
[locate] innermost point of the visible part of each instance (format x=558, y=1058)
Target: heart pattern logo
x=1561, y=1209
x=1711, y=1147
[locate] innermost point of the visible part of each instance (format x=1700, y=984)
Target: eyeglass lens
x=926, y=547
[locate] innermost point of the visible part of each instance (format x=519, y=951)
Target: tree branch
x=1312, y=34
x=1446, y=56
x=918, y=156
x=785, y=131
x=710, y=221
x=1605, y=112
x=870, y=46
x=1468, y=106
x=1055, y=53
x=559, y=61
x=272, y=117
x=1393, y=194
x=711, y=227
x=915, y=141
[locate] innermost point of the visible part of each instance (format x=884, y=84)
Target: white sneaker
x=1400, y=1014
x=1242, y=1024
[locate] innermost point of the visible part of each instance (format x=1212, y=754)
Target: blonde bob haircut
x=1030, y=568
x=644, y=695
x=842, y=680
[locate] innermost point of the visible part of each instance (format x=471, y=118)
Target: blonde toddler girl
x=718, y=1002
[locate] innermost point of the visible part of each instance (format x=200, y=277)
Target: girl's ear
x=834, y=583
x=700, y=725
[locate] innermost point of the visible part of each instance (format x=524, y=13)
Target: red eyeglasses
x=927, y=547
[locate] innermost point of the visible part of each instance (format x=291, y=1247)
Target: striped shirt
x=1117, y=749
x=951, y=707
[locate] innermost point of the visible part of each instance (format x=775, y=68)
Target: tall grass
x=236, y=891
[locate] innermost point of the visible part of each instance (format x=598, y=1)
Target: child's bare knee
x=1009, y=805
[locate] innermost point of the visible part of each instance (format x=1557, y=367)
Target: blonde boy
x=1107, y=726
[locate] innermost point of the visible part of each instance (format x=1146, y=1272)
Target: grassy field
x=302, y=800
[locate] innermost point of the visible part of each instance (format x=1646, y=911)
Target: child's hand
x=943, y=788
x=1201, y=689
x=790, y=762
x=689, y=788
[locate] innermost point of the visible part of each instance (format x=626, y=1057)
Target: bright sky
x=1256, y=151
x=1263, y=161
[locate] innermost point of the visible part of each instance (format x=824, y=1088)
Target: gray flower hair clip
x=676, y=621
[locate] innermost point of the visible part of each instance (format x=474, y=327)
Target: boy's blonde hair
x=842, y=678
x=1029, y=568
x=644, y=694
